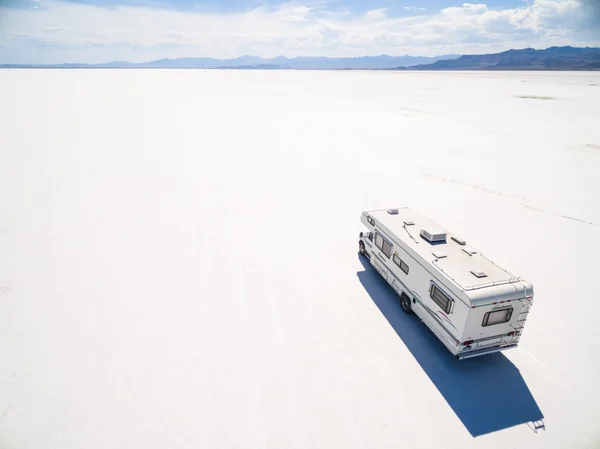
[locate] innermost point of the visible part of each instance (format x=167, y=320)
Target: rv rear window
x=440, y=299
x=497, y=317
x=384, y=246
x=371, y=221
x=400, y=264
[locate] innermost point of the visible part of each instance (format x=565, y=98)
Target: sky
x=57, y=31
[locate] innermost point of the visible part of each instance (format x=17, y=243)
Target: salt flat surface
x=179, y=268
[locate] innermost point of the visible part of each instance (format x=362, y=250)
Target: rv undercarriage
x=484, y=351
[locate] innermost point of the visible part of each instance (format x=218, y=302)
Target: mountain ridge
x=249, y=62
x=553, y=58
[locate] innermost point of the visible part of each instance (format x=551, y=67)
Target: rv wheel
x=405, y=303
x=361, y=248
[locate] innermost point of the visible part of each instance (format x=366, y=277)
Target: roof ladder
x=520, y=324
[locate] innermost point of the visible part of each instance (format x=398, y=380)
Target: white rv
x=473, y=305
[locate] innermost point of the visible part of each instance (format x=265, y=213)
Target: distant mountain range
x=553, y=58
x=256, y=62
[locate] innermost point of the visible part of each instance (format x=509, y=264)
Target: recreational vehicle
x=472, y=304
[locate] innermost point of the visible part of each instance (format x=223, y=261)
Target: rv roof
x=458, y=265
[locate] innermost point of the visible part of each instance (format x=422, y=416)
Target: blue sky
x=54, y=31
x=355, y=6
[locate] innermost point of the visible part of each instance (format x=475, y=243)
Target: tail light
x=467, y=343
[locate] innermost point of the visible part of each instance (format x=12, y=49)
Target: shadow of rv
x=487, y=393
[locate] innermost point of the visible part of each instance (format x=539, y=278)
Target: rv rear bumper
x=483, y=351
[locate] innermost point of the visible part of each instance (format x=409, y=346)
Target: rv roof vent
x=478, y=273
x=408, y=223
x=439, y=254
x=470, y=251
x=459, y=240
x=433, y=235
x=393, y=211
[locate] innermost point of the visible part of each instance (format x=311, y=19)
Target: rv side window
x=400, y=264
x=384, y=246
x=497, y=317
x=387, y=249
x=378, y=241
x=440, y=299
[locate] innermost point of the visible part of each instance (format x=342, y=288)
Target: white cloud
x=58, y=31
x=376, y=14
x=474, y=7
x=294, y=14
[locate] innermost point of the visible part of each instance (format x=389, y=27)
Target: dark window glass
x=384, y=246
x=440, y=299
x=400, y=264
x=378, y=242
x=497, y=317
x=387, y=249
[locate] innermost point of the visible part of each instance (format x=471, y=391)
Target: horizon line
x=458, y=55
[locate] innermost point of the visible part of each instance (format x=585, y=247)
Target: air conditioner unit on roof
x=433, y=235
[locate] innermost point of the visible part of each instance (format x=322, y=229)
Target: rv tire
x=361, y=248
x=405, y=303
